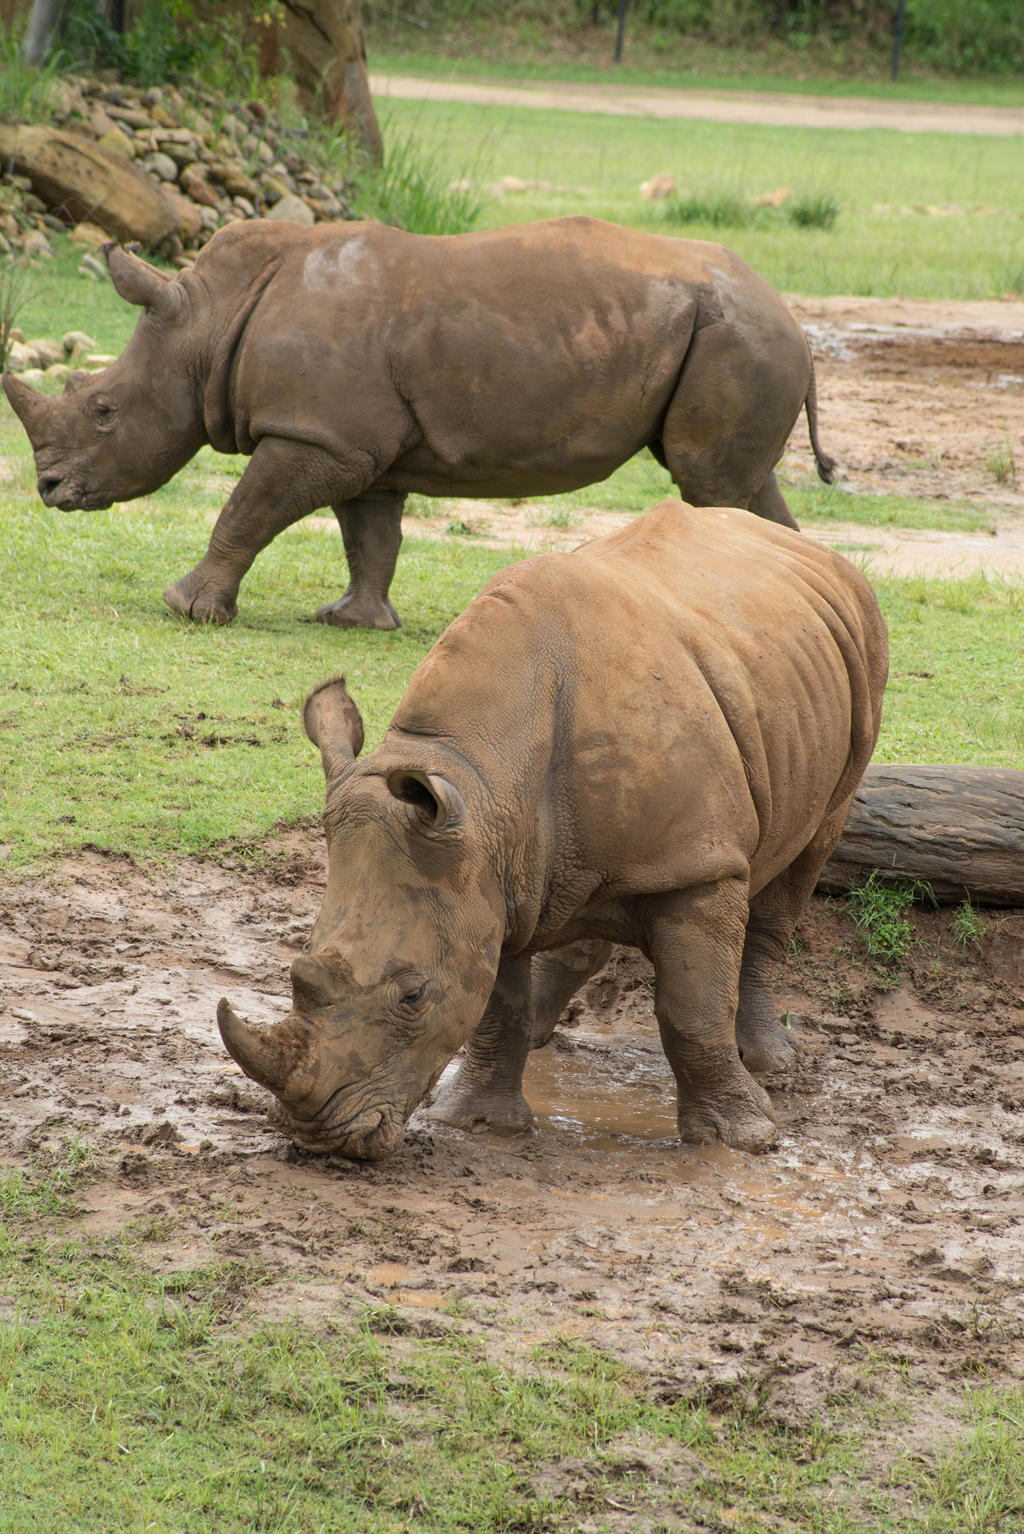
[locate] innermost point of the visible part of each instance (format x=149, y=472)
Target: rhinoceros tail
x=826, y=466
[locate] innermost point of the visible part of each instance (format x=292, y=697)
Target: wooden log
x=79, y=180
x=959, y=828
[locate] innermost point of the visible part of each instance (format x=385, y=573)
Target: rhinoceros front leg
x=487, y=1088
x=282, y=482
x=695, y=941
x=371, y=529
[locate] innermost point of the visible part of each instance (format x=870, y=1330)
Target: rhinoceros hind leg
x=695, y=941
x=765, y=1044
x=741, y=389
x=770, y=503
x=349, y=613
x=486, y=1091
x=371, y=529
x=556, y=977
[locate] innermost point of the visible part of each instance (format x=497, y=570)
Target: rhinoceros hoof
x=766, y=1050
x=200, y=606
x=741, y=1125
x=360, y=613
x=502, y=1116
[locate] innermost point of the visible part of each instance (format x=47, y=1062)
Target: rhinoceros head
x=124, y=431
x=403, y=955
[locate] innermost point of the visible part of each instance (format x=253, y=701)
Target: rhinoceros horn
x=28, y=404
x=334, y=724
x=271, y=1058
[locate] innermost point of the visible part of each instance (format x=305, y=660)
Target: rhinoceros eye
x=413, y=998
x=103, y=411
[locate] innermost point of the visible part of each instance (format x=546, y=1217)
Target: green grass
x=817, y=505
x=956, y=682
x=879, y=912
x=885, y=188
x=124, y=728
x=642, y=482
x=138, y=1395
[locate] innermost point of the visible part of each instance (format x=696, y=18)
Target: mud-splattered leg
x=282, y=482
x=371, y=528
x=695, y=941
x=764, y=1044
x=487, y=1088
x=557, y=976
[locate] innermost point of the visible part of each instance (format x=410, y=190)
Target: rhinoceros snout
x=313, y=985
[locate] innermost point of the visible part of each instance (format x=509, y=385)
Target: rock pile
x=41, y=358
x=203, y=162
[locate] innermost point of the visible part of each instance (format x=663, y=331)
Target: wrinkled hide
x=653, y=740
x=355, y=363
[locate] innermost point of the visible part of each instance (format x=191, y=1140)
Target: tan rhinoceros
x=654, y=741
x=356, y=363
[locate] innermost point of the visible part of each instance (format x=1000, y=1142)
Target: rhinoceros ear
x=140, y=283
x=334, y=724
x=437, y=802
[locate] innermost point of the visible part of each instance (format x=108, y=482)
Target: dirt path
x=763, y=107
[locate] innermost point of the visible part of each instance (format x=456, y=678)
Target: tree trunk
x=959, y=828
x=321, y=44
x=38, y=32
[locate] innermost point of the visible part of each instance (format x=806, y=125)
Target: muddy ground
x=888, y=1227
x=889, y=1224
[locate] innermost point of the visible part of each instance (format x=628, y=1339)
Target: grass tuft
x=812, y=211
x=412, y=191
x=879, y=911
x=967, y=925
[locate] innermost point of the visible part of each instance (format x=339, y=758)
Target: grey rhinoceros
x=654, y=741
x=356, y=363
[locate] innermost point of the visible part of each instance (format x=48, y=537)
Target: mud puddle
x=890, y=1221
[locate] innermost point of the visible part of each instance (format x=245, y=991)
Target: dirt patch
x=921, y=399
x=889, y=1222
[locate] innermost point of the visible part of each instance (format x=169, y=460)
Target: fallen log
x=958, y=828
x=77, y=179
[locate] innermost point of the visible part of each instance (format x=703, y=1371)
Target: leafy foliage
x=961, y=36
x=13, y=293
x=24, y=90
x=157, y=45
